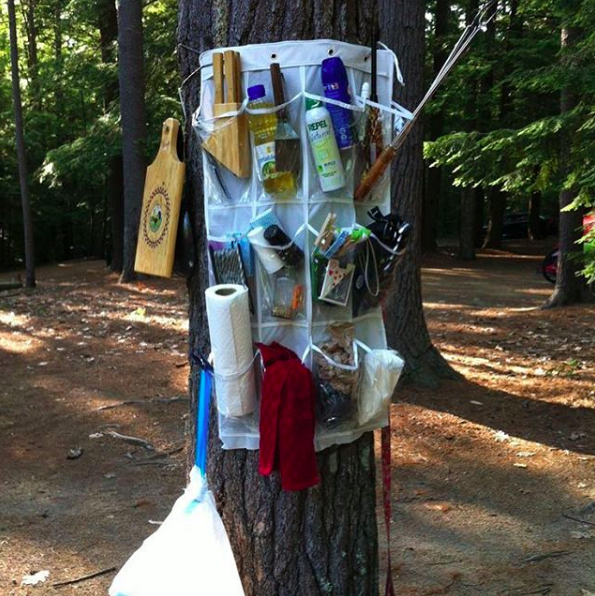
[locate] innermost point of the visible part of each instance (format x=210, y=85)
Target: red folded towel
x=287, y=419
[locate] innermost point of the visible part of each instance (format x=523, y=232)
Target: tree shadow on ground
x=551, y=424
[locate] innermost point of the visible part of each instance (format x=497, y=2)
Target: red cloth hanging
x=287, y=419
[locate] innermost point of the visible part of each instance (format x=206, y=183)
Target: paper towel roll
x=269, y=257
x=228, y=312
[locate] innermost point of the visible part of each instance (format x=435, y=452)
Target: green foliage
x=71, y=133
x=503, y=126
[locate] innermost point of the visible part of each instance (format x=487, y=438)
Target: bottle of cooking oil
x=264, y=127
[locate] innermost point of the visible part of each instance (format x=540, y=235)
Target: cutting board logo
x=156, y=217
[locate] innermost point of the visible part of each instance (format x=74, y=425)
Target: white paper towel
x=268, y=256
x=228, y=312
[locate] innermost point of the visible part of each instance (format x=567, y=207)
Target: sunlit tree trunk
x=323, y=541
x=433, y=190
x=402, y=27
x=569, y=285
x=21, y=149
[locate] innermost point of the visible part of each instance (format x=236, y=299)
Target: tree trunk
x=108, y=33
x=32, y=56
x=134, y=125
x=497, y=199
x=569, y=285
x=322, y=541
x=432, y=194
x=21, y=149
x=467, y=231
x=535, y=231
x=402, y=27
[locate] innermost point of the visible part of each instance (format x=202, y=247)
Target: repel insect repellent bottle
x=324, y=146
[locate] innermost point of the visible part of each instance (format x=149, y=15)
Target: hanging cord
x=187, y=79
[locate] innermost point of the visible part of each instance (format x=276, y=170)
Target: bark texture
x=402, y=27
x=108, y=35
x=134, y=123
x=322, y=541
x=569, y=286
x=433, y=188
x=21, y=150
x=497, y=200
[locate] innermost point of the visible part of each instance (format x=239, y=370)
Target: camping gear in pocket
x=380, y=374
x=190, y=553
x=376, y=260
x=287, y=141
x=228, y=141
x=155, y=249
x=263, y=126
x=228, y=316
x=287, y=420
x=325, y=151
x=337, y=375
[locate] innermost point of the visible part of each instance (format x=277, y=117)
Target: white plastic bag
x=381, y=371
x=189, y=555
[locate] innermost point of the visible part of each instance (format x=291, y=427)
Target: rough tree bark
x=470, y=197
x=21, y=150
x=495, y=196
x=402, y=27
x=497, y=200
x=569, y=286
x=107, y=24
x=432, y=193
x=29, y=15
x=134, y=123
x=322, y=541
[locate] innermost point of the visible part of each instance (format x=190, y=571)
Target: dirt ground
x=489, y=469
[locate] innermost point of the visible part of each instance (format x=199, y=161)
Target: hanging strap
x=386, y=497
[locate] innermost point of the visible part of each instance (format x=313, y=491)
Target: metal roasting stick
x=386, y=157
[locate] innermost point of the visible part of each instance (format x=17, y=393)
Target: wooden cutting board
x=156, y=244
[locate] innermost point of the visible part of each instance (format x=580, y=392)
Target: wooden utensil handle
x=374, y=173
x=238, y=77
x=231, y=79
x=218, y=77
x=277, y=81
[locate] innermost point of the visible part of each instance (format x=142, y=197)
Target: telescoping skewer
x=482, y=18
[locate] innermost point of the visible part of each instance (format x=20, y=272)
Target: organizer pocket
x=224, y=137
x=381, y=370
x=281, y=277
x=336, y=373
x=238, y=405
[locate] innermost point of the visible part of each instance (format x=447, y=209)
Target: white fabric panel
x=300, y=63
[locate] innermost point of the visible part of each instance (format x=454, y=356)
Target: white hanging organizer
x=232, y=204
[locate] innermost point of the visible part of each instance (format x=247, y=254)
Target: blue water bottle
x=336, y=86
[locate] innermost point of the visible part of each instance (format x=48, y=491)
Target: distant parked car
x=516, y=227
x=549, y=265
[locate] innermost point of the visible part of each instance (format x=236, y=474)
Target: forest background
x=499, y=140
